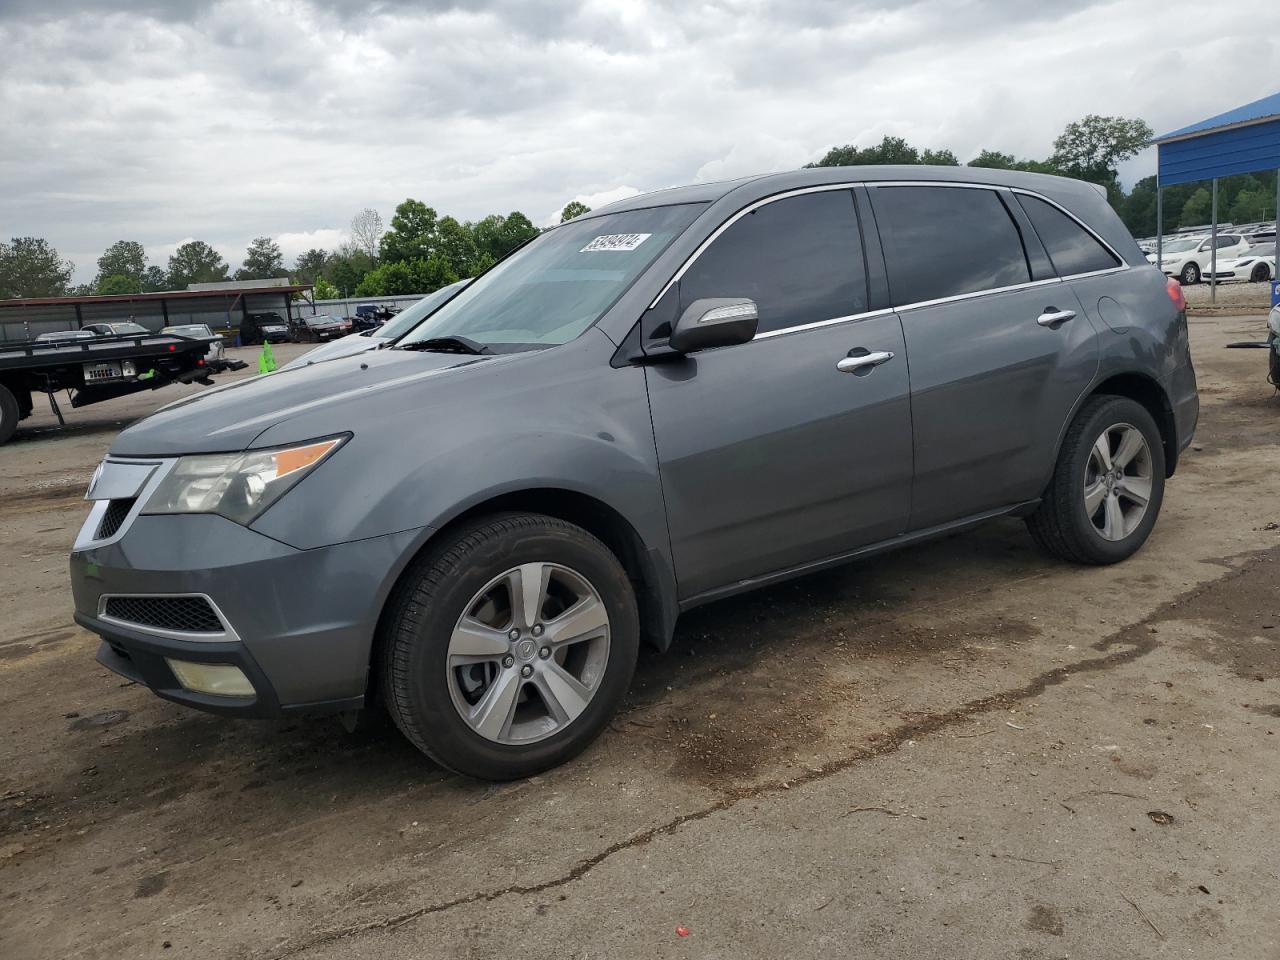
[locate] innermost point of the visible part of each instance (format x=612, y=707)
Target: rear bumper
x=300, y=622
x=1184, y=400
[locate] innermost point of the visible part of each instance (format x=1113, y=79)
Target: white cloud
x=231, y=119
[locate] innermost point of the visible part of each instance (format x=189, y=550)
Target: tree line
x=422, y=251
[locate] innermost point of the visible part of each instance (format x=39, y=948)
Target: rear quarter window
x=1071, y=248
x=946, y=241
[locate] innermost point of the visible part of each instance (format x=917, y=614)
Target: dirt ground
x=963, y=750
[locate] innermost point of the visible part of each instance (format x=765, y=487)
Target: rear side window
x=946, y=241
x=1071, y=248
x=800, y=259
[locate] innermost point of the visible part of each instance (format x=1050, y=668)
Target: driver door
x=773, y=457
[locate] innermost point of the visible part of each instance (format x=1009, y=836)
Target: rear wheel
x=508, y=649
x=1190, y=274
x=9, y=413
x=1107, y=487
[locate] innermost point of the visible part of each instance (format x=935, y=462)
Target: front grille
x=189, y=614
x=117, y=510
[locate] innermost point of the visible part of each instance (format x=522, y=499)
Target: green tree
x=388, y=280
x=118, y=283
x=574, y=208
x=432, y=274
x=195, y=262
x=1093, y=147
x=154, y=280
x=1251, y=205
x=30, y=267
x=456, y=243
x=324, y=290
x=311, y=265
x=939, y=158
x=124, y=258
x=1196, y=211
x=497, y=235
x=995, y=160
x=262, y=261
x=347, y=267
x=412, y=235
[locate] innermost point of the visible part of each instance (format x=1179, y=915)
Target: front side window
x=946, y=241
x=555, y=287
x=799, y=258
x=1227, y=242
x=1071, y=248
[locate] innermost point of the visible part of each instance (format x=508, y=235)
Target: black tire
x=414, y=640
x=1190, y=275
x=9, y=413
x=1261, y=273
x=1061, y=524
x=1273, y=370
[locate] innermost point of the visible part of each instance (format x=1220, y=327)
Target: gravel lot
x=961, y=750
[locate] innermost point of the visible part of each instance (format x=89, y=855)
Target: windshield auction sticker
x=616, y=242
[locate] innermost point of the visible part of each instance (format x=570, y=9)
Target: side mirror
x=714, y=322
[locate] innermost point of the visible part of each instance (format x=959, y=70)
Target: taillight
x=1174, y=289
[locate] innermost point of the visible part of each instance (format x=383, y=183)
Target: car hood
x=233, y=416
x=342, y=347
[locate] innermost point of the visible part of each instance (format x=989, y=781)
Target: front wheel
x=1107, y=486
x=10, y=413
x=507, y=650
x=1261, y=273
x=1190, y=274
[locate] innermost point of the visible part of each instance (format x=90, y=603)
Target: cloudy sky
x=163, y=120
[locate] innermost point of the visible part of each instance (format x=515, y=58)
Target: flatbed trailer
x=94, y=369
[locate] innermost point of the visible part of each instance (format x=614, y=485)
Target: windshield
x=1182, y=246
x=321, y=319
x=549, y=291
x=126, y=328
x=198, y=330
x=406, y=320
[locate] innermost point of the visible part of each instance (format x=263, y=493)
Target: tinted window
x=944, y=241
x=799, y=259
x=1071, y=248
x=1227, y=241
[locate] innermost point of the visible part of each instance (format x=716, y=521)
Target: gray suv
x=677, y=398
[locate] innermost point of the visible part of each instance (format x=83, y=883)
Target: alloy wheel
x=528, y=653
x=1118, y=481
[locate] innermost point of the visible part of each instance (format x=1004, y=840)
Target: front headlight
x=238, y=486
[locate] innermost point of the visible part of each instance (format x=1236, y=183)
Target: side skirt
x=884, y=546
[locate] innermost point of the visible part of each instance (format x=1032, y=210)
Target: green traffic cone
x=266, y=360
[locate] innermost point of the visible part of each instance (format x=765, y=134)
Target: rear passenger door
x=772, y=455
x=1000, y=349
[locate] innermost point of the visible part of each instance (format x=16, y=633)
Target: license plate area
x=103, y=370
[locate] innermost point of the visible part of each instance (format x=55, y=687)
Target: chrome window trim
x=822, y=323
x=914, y=305
x=227, y=634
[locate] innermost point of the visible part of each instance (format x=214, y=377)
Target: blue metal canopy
x=1243, y=140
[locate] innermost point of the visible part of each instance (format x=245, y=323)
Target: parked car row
x=1191, y=259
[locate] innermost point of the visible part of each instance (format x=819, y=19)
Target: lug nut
x=526, y=671
x=514, y=634
x=537, y=630
x=508, y=661
x=544, y=652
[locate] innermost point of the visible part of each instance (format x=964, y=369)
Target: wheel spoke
x=565, y=695
x=1094, y=494
x=1113, y=519
x=1136, y=490
x=491, y=717
x=1102, y=450
x=585, y=619
x=1131, y=444
x=528, y=585
x=473, y=639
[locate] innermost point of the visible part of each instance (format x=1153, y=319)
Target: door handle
x=864, y=362
x=1052, y=316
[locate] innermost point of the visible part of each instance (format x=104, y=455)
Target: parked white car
x=1187, y=258
x=1256, y=266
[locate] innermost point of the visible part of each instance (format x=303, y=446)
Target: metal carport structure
x=1243, y=140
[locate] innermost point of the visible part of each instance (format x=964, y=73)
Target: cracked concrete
x=962, y=750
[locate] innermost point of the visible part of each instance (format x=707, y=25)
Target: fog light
x=219, y=679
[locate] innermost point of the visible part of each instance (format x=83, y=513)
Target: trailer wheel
x=9, y=413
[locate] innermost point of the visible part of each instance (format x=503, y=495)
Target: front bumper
x=299, y=623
